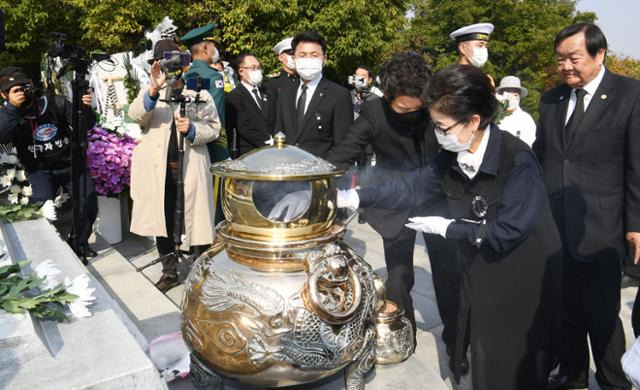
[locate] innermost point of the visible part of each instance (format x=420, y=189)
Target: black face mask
x=410, y=118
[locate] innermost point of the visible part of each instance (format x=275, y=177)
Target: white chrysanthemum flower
x=24, y=200
x=11, y=173
x=80, y=287
x=48, y=210
x=60, y=199
x=20, y=175
x=49, y=272
x=6, y=180
x=13, y=198
x=27, y=190
x=15, y=189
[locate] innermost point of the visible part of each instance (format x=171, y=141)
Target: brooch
x=479, y=206
x=468, y=167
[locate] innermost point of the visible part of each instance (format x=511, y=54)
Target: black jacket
x=399, y=149
x=594, y=181
x=247, y=125
x=326, y=121
x=42, y=139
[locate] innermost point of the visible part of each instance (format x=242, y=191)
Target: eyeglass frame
x=445, y=131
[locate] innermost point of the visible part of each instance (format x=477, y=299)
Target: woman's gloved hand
x=430, y=225
x=290, y=206
x=348, y=199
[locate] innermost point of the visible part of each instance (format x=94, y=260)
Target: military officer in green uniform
x=287, y=75
x=204, y=53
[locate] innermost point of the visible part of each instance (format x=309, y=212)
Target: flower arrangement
x=41, y=293
x=109, y=160
x=15, y=189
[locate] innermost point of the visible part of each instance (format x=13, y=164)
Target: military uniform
x=475, y=32
x=282, y=80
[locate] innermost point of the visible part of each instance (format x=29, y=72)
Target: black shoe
x=464, y=364
x=167, y=282
x=561, y=381
x=88, y=252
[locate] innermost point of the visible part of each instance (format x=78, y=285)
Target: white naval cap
x=283, y=45
x=473, y=32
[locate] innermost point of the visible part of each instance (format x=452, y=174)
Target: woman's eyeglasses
x=445, y=130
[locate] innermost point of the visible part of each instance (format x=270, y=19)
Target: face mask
x=216, y=56
x=309, y=68
x=255, y=77
x=290, y=63
x=450, y=142
x=514, y=101
x=479, y=57
x=410, y=118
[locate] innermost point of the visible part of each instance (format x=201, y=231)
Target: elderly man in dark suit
x=314, y=113
x=587, y=144
x=250, y=108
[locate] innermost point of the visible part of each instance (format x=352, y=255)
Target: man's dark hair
x=405, y=74
x=240, y=60
x=461, y=91
x=309, y=36
x=365, y=68
x=594, y=37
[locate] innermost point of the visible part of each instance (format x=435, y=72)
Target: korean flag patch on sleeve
x=219, y=83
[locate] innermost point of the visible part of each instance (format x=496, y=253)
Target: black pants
x=591, y=307
x=46, y=183
x=635, y=315
x=398, y=254
x=167, y=244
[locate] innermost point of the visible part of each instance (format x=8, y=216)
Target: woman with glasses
x=508, y=244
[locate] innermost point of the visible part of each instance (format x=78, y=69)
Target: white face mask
x=479, y=57
x=291, y=63
x=255, y=77
x=514, y=101
x=216, y=56
x=450, y=142
x=308, y=68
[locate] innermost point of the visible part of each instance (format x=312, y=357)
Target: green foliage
x=19, y=293
x=625, y=66
x=521, y=44
x=10, y=213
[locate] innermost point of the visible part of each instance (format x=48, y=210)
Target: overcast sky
x=617, y=19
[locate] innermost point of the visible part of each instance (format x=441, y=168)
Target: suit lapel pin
x=561, y=98
x=321, y=94
x=603, y=97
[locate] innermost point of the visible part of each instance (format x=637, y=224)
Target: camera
x=30, y=92
x=198, y=84
x=358, y=82
x=174, y=61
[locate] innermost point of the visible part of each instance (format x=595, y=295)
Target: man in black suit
x=250, y=108
x=587, y=144
x=400, y=132
x=315, y=113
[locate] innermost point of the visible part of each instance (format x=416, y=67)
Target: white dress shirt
x=590, y=88
x=520, y=124
x=311, y=89
x=250, y=88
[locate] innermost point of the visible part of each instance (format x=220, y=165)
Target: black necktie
x=576, y=116
x=302, y=100
x=258, y=99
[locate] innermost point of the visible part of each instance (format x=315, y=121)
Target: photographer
x=40, y=129
x=363, y=89
x=155, y=164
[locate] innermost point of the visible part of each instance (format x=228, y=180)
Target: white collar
x=249, y=86
x=312, y=83
x=470, y=162
x=593, y=85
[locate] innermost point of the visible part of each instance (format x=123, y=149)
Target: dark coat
x=277, y=83
x=399, y=150
x=249, y=126
x=326, y=121
x=594, y=181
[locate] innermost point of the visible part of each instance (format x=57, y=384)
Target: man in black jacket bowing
x=400, y=132
x=314, y=113
x=587, y=144
x=250, y=108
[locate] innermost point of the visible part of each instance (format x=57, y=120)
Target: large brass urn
x=279, y=299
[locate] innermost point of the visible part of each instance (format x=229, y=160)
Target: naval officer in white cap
x=471, y=43
x=287, y=76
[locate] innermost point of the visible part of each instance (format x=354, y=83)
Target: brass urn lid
x=278, y=162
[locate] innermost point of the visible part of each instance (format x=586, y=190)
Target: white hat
x=474, y=32
x=283, y=45
x=512, y=82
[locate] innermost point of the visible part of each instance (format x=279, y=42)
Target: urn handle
x=333, y=289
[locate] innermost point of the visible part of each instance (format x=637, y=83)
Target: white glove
x=269, y=141
x=430, y=225
x=290, y=206
x=48, y=210
x=348, y=199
